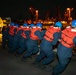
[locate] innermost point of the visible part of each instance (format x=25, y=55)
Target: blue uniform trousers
x=5, y=39
x=15, y=43
x=22, y=45
x=64, y=56
x=46, y=52
x=10, y=40
x=16, y=39
x=32, y=47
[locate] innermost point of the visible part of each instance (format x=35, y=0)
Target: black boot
x=17, y=54
x=48, y=68
x=35, y=64
x=41, y=66
x=54, y=74
x=23, y=59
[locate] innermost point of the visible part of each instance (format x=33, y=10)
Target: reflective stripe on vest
x=32, y=35
x=67, y=37
x=49, y=33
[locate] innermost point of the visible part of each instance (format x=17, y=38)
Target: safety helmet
x=39, y=25
x=73, y=24
x=17, y=25
x=32, y=25
x=25, y=25
x=58, y=24
x=12, y=24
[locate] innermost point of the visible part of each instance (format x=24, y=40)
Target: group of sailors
x=27, y=38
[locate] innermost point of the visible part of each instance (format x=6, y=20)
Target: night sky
x=19, y=9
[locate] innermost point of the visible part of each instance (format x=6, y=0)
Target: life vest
x=67, y=37
x=32, y=35
x=11, y=31
x=8, y=26
x=49, y=33
x=19, y=28
x=26, y=29
x=23, y=34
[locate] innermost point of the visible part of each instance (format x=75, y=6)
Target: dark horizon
x=20, y=9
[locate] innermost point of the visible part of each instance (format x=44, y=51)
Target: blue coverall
x=10, y=41
x=15, y=41
x=46, y=50
x=5, y=35
x=64, y=56
x=22, y=43
x=32, y=45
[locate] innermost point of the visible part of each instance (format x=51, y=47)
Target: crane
x=34, y=13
